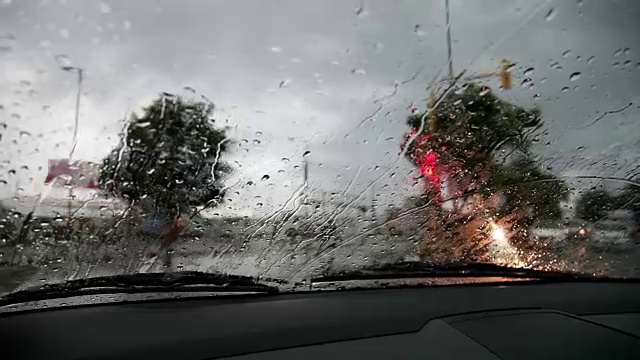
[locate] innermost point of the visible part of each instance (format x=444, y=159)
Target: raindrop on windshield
x=284, y=83
x=265, y=177
x=64, y=61
x=105, y=8
x=575, y=76
x=550, y=14
x=361, y=11
x=7, y=42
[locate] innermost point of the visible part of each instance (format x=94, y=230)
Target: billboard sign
x=78, y=174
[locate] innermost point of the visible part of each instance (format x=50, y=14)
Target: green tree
x=525, y=185
x=478, y=147
x=7, y=225
x=595, y=204
x=629, y=199
x=168, y=159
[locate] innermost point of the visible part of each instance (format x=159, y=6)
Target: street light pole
x=431, y=102
x=449, y=50
x=76, y=122
x=77, y=112
x=504, y=73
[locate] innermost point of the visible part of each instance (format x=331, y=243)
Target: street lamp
x=80, y=72
x=65, y=65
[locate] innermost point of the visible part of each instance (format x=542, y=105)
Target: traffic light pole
x=504, y=73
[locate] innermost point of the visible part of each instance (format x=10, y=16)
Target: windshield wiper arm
x=405, y=270
x=191, y=281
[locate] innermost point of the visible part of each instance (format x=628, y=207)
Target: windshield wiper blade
x=188, y=281
x=406, y=270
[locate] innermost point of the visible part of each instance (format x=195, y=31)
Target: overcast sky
x=334, y=77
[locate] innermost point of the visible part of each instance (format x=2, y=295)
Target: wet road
x=259, y=253
x=270, y=252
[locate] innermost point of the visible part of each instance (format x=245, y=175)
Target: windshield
x=289, y=139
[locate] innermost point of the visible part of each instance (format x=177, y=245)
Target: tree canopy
x=483, y=144
x=595, y=204
x=475, y=155
x=168, y=158
x=472, y=123
x=630, y=200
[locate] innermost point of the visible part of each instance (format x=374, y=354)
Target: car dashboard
x=522, y=320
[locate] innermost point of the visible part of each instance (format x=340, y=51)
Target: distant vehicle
x=605, y=231
x=579, y=232
x=572, y=231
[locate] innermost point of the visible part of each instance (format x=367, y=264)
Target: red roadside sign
x=79, y=174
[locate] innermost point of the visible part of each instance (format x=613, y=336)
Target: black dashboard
x=482, y=321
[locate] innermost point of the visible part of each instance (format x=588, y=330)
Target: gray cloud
x=339, y=62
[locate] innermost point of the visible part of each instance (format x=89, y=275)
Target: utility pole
x=306, y=172
x=373, y=203
x=77, y=112
x=305, y=184
x=75, y=138
x=431, y=102
x=80, y=74
x=504, y=72
x=449, y=50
